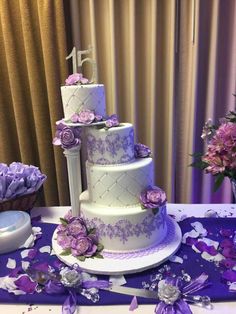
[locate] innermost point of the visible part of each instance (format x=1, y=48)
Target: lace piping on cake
x=124, y=229
x=171, y=234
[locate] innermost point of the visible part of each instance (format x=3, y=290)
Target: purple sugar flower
x=64, y=240
x=76, y=228
x=83, y=246
x=86, y=116
x=68, y=139
x=112, y=121
x=153, y=197
x=76, y=78
x=141, y=151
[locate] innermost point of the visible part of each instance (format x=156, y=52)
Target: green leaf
x=92, y=231
x=196, y=155
x=218, y=181
x=81, y=258
x=65, y=252
x=97, y=255
x=63, y=221
x=100, y=247
x=143, y=207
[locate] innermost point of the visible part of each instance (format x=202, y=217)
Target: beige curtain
x=32, y=58
x=167, y=65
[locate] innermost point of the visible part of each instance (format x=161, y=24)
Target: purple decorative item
x=75, y=238
x=112, y=121
x=66, y=136
x=19, y=179
x=86, y=116
x=76, y=78
x=153, y=197
x=141, y=151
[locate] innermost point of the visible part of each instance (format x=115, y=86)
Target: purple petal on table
x=24, y=283
x=226, y=232
x=228, y=263
x=99, y=284
x=203, y=247
x=134, y=304
x=32, y=253
x=44, y=267
x=229, y=275
x=226, y=243
x=58, y=264
x=15, y=272
x=229, y=252
x=191, y=241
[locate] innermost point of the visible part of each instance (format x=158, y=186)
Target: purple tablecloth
x=194, y=265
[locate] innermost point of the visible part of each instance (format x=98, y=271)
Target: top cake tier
x=76, y=98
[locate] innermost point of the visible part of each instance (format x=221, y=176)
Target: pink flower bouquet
x=220, y=156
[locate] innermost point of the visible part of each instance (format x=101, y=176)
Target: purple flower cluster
x=153, y=197
x=112, y=121
x=19, y=179
x=74, y=238
x=67, y=137
x=220, y=156
x=85, y=117
x=76, y=78
x=141, y=151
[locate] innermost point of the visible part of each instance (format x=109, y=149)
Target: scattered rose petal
x=176, y=259
x=24, y=283
x=190, y=241
x=229, y=275
x=199, y=228
x=134, y=304
x=229, y=252
x=203, y=247
x=41, y=267
x=11, y=263
x=228, y=263
x=232, y=287
x=25, y=264
x=45, y=249
x=210, y=258
x=117, y=280
x=226, y=232
x=192, y=234
x=15, y=272
x=210, y=242
x=32, y=253
x=226, y=243
x=8, y=283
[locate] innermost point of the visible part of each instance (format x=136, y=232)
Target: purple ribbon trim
x=99, y=284
x=69, y=306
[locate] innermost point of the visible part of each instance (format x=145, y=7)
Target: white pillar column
x=74, y=174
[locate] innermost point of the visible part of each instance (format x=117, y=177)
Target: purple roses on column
x=76, y=239
x=153, y=197
x=141, y=151
x=67, y=137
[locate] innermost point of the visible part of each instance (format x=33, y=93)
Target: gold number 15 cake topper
x=77, y=61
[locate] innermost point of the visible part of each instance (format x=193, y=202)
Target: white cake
x=115, y=178
x=76, y=98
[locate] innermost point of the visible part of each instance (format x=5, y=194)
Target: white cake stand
x=127, y=263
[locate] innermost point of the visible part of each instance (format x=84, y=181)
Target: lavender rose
x=153, y=197
x=76, y=228
x=83, y=246
x=64, y=240
x=76, y=78
x=68, y=139
x=112, y=121
x=86, y=116
x=141, y=151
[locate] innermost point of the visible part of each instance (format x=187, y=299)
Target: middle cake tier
x=119, y=185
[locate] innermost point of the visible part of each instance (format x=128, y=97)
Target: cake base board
x=128, y=263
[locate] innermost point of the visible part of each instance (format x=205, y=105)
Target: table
x=52, y=214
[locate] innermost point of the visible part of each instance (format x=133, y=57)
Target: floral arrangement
x=220, y=156
x=67, y=137
x=76, y=239
x=19, y=179
x=75, y=79
x=141, y=151
x=112, y=121
x=85, y=117
x=153, y=197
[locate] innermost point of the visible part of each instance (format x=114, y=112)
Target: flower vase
x=233, y=183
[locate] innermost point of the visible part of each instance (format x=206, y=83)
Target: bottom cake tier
x=124, y=229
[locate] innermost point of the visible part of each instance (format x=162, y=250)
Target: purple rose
x=86, y=116
x=141, y=151
x=83, y=246
x=73, y=79
x=112, y=121
x=74, y=118
x=68, y=139
x=64, y=240
x=153, y=197
x=76, y=228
